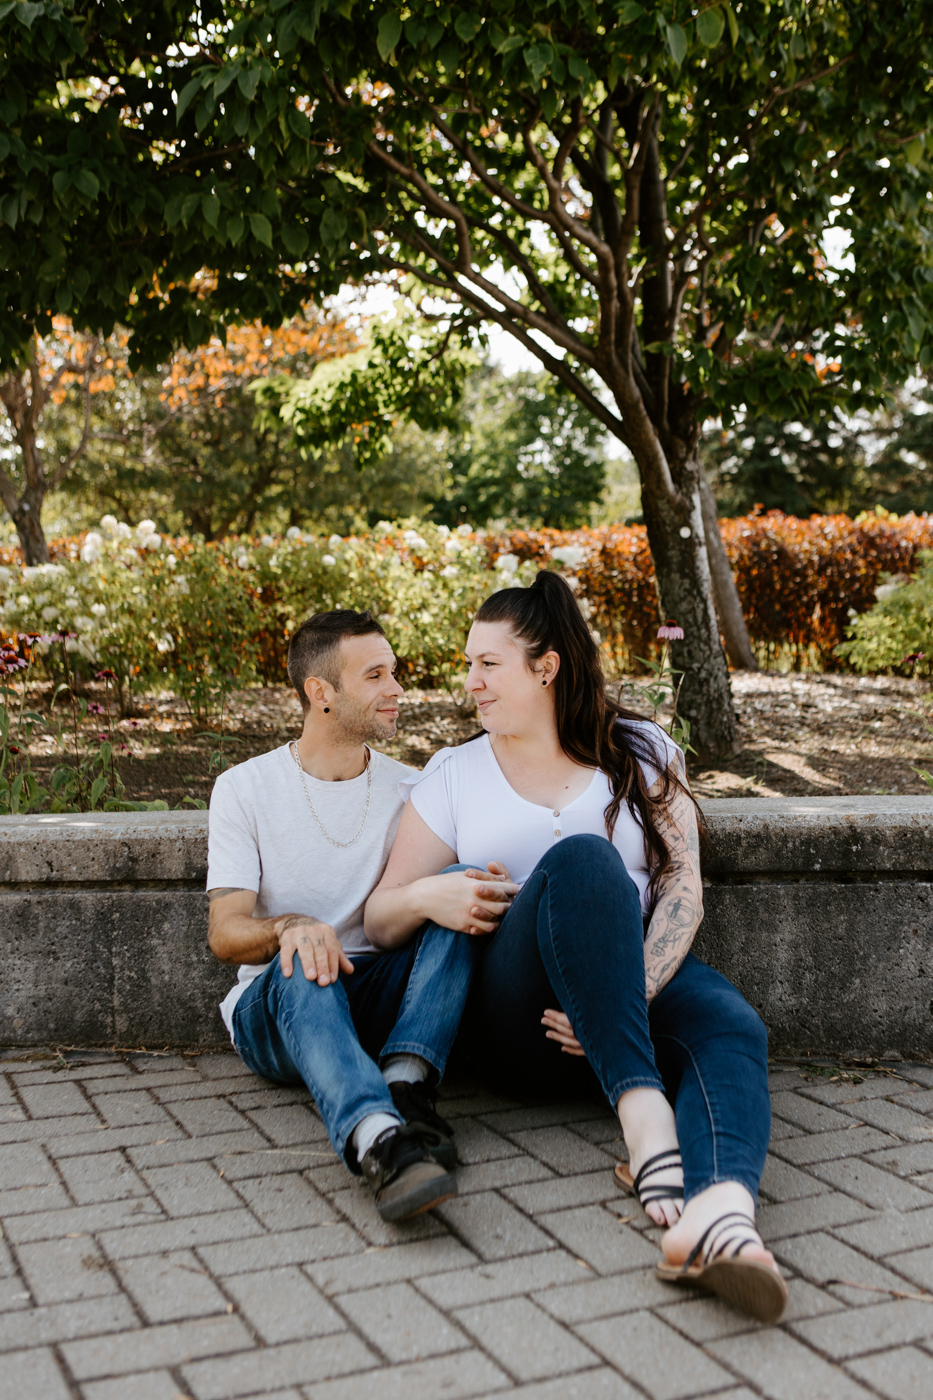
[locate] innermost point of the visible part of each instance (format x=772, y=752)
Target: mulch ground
x=803, y=735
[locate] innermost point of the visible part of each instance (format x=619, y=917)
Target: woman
x=585, y=811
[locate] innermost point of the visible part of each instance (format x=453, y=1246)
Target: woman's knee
x=585, y=852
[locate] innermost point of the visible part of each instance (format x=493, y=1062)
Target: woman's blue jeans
x=574, y=938
x=405, y=1002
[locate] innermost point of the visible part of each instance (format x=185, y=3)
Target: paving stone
x=890, y=1232
x=25, y=1165
x=34, y=1374
x=82, y=1220
x=784, y=1369
x=151, y=1347
x=509, y=1171
x=843, y=1094
x=283, y=1305
x=29, y=1200
x=356, y=1204
x=478, y=1143
x=286, y=1247
x=12, y=1113
x=821, y=1147
x=564, y=1151
x=919, y=1074
x=7, y=1267
x=493, y=1227
x=893, y=1118
x=62, y=1322
x=598, y=1384
x=101, y=1139
x=51, y=1128
x=60, y=1100
x=101, y=1176
x=595, y=1235
x=128, y=1106
x=781, y=1129
x=820, y=1258
x=158, y=1080
x=203, y=1089
x=380, y=1266
x=257, y=1094
x=400, y=1323
x=207, y=1117
x=190, y=1188
x=916, y=1266
x=703, y=1318
x=466, y=1373
x=654, y=1356
x=517, y=1120
x=171, y=1149
x=268, y=1160
x=782, y=1182
x=487, y=1281
x=563, y=1191
x=920, y=1100
x=220, y=1064
x=186, y=1233
x=904, y=1374
x=171, y=1288
x=525, y=1341
x=62, y=1270
x=270, y=1368
x=152, y=1385
x=605, y=1132
x=906, y=1159
x=289, y=1126
x=813, y=1213
x=13, y=1297
x=286, y=1201
x=871, y=1184
x=860, y=1330
x=588, y=1298
x=803, y=1113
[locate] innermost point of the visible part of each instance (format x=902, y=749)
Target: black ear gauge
x=327, y=709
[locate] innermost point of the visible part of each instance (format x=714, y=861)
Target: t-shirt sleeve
x=232, y=847
x=431, y=796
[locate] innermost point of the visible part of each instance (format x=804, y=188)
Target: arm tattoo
x=679, y=907
x=226, y=889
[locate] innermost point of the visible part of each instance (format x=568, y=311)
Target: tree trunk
x=27, y=517
x=725, y=593
x=681, y=562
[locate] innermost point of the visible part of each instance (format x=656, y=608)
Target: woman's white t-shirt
x=466, y=800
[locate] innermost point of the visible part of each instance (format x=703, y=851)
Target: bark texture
x=725, y=594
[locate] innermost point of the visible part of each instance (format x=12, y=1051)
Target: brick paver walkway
x=174, y=1227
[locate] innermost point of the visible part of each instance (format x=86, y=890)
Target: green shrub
x=898, y=631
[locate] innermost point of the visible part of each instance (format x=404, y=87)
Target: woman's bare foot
x=700, y=1212
x=648, y=1128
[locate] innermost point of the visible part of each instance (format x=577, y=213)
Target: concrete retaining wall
x=820, y=910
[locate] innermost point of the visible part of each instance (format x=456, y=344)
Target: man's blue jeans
x=574, y=939
x=405, y=1002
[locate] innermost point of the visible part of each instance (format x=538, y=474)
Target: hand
x=560, y=1029
x=471, y=901
x=319, y=951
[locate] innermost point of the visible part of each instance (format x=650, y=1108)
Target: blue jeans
x=574, y=938
x=405, y=1002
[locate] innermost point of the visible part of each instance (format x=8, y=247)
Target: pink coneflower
x=670, y=632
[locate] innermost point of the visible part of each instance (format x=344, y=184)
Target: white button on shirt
x=466, y=800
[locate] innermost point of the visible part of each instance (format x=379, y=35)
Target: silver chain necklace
x=293, y=749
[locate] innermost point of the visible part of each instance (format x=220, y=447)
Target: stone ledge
x=820, y=910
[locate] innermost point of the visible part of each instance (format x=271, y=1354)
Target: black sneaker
x=405, y=1178
x=415, y=1102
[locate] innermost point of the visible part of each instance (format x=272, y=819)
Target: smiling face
x=512, y=697
x=365, y=704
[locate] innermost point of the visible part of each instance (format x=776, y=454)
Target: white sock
x=405, y=1069
x=369, y=1128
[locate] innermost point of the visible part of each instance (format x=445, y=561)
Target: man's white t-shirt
x=262, y=836
x=466, y=800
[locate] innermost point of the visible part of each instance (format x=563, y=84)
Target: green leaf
x=235, y=228
x=710, y=25
x=538, y=59
x=210, y=207
x=677, y=43
x=261, y=229
x=4, y=147
x=61, y=181
x=185, y=98
x=27, y=13
x=97, y=789
x=467, y=26
x=62, y=297
x=914, y=151
x=87, y=183
x=248, y=82
x=629, y=11
x=732, y=23
x=388, y=34
x=295, y=239
x=333, y=227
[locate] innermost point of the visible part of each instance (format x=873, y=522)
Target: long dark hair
x=546, y=617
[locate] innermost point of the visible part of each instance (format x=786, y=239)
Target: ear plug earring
x=327, y=709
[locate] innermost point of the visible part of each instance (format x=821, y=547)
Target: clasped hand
x=316, y=945
x=472, y=901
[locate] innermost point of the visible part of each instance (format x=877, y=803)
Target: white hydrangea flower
x=571, y=555
x=453, y=546
x=34, y=571
x=451, y=571
x=335, y=542
x=145, y=527
x=98, y=609
x=170, y=560
x=90, y=550
x=49, y=614
x=165, y=643
x=124, y=532
x=508, y=563
x=268, y=541
x=6, y=575
x=108, y=524
x=23, y=600
x=443, y=531
x=328, y=559
x=242, y=561
x=464, y=529
x=152, y=541
x=81, y=624
x=293, y=533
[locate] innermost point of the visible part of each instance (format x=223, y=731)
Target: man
x=298, y=839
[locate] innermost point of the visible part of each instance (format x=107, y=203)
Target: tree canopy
x=637, y=192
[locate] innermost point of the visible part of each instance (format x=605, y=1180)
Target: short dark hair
x=313, y=648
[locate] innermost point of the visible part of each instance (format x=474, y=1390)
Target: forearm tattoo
x=678, y=909
x=227, y=889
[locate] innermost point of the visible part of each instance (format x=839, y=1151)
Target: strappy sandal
x=635, y=1186
x=753, y=1287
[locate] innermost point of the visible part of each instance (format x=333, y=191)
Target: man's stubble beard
x=360, y=724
